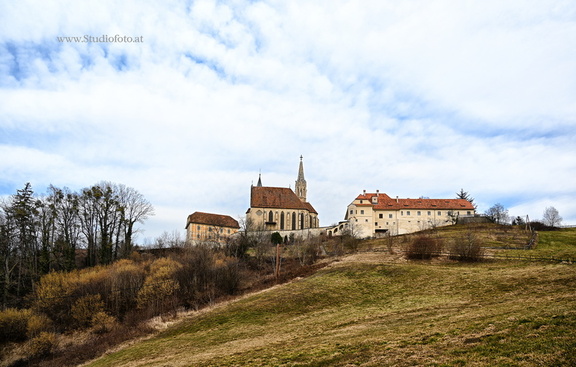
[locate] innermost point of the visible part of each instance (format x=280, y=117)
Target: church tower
x=300, y=187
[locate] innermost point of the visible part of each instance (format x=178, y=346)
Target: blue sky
x=413, y=98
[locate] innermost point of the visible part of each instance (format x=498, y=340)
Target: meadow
x=375, y=308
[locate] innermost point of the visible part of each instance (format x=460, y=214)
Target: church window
x=294, y=220
x=282, y=220
x=270, y=217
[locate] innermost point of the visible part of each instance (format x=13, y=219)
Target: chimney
x=377, y=192
x=396, y=198
x=364, y=192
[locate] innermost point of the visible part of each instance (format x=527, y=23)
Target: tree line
x=40, y=234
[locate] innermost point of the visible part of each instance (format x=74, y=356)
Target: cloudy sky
x=414, y=98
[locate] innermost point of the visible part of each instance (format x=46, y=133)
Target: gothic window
x=282, y=220
x=294, y=220
x=270, y=216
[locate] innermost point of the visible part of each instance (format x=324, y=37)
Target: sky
x=188, y=101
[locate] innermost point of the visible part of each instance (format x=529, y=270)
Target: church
x=280, y=208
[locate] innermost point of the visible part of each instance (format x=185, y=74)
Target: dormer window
x=374, y=200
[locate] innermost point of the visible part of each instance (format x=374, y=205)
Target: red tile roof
x=277, y=197
x=212, y=220
x=386, y=202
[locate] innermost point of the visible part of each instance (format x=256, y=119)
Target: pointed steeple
x=259, y=184
x=300, y=186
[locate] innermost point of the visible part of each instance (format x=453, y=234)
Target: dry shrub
x=38, y=323
x=160, y=286
x=84, y=308
x=41, y=346
x=466, y=247
x=125, y=281
x=53, y=296
x=424, y=247
x=14, y=324
x=102, y=322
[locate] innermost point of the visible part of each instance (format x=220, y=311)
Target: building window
x=408, y=212
x=390, y=216
x=386, y=223
x=198, y=227
x=402, y=212
x=380, y=215
x=375, y=223
x=429, y=213
x=419, y=212
x=361, y=212
x=351, y=211
x=439, y=213
x=468, y=212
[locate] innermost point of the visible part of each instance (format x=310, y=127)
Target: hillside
x=375, y=308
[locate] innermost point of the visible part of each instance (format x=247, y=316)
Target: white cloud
x=412, y=98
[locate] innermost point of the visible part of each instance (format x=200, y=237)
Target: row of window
x=408, y=212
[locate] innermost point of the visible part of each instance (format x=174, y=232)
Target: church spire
x=259, y=180
x=300, y=187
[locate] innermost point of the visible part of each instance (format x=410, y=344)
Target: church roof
x=212, y=220
x=384, y=202
x=277, y=197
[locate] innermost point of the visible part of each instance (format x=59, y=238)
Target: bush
x=466, y=248
x=41, y=346
x=38, y=323
x=14, y=324
x=53, y=296
x=160, y=287
x=102, y=322
x=85, y=308
x=424, y=247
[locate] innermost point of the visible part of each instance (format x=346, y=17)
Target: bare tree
x=498, y=214
x=551, y=217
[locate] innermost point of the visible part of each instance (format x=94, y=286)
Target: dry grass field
x=374, y=308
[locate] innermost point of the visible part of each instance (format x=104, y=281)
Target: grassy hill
x=376, y=309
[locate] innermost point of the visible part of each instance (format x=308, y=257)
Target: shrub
x=53, y=296
x=38, y=323
x=41, y=346
x=14, y=324
x=102, y=322
x=424, y=247
x=160, y=287
x=466, y=248
x=125, y=281
x=85, y=308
